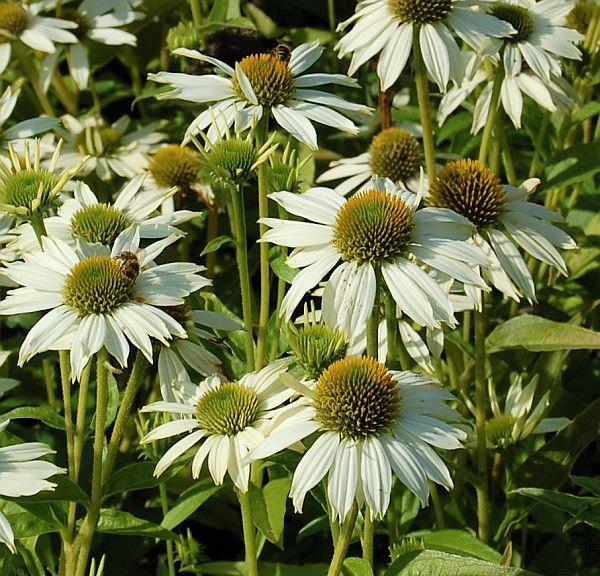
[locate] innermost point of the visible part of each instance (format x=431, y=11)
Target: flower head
x=263, y=84
x=21, y=22
x=22, y=473
x=473, y=191
x=388, y=27
x=379, y=231
x=99, y=297
x=227, y=419
x=370, y=421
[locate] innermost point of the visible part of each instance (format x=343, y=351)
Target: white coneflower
x=111, y=148
x=99, y=298
x=22, y=473
x=96, y=20
x=541, y=37
x=28, y=189
x=370, y=421
x=86, y=219
x=21, y=22
x=223, y=421
x=377, y=231
x=472, y=190
x=264, y=84
x=518, y=420
x=388, y=26
x=394, y=153
x=188, y=356
x=549, y=94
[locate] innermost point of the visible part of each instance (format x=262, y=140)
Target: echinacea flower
x=379, y=231
x=185, y=356
x=549, y=94
x=97, y=20
x=391, y=27
x=22, y=473
x=518, y=421
x=111, y=148
x=263, y=84
x=99, y=297
x=28, y=189
x=394, y=153
x=223, y=421
x=21, y=22
x=472, y=190
x=541, y=38
x=370, y=421
x=21, y=130
x=85, y=218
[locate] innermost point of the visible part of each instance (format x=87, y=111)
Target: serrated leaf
x=436, y=563
x=541, y=335
x=45, y=415
x=26, y=525
x=189, y=502
x=215, y=244
x=125, y=524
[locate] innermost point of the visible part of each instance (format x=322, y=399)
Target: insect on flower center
x=470, y=189
x=173, y=165
x=518, y=17
x=395, y=154
x=82, y=21
x=13, y=19
x=97, y=285
x=98, y=140
x=99, y=223
x=271, y=79
x=372, y=226
x=316, y=347
x=356, y=397
x=228, y=409
x=420, y=11
x=22, y=189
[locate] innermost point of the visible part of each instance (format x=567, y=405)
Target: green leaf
x=215, y=244
x=573, y=165
x=586, y=111
x=136, y=476
x=26, y=525
x=65, y=491
x=189, y=502
x=459, y=542
x=43, y=414
x=268, y=508
x=277, y=258
x=541, y=335
x=224, y=10
x=124, y=524
x=591, y=484
x=356, y=567
x=264, y=569
x=436, y=563
x=266, y=26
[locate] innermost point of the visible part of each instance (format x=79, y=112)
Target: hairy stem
x=249, y=533
x=343, y=541
x=486, y=138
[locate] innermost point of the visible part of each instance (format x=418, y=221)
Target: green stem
x=241, y=247
x=537, y=153
x=507, y=157
x=212, y=231
x=88, y=527
x=343, y=541
x=37, y=223
x=48, y=369
x=81, y=416
x=373, y=322
x=263, y=212
x=422, y=85
x=164, y=502
x=331, y=15
x=368, y=537
x=438, y=510
x=133, y=385
x=249, y=533
x=196, y=12
x=32, y=74
x=384, y=99
x=397, y=353
x=67, y=99
x=489, y=123
x=481, y=401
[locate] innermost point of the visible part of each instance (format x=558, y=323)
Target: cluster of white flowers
x=91, y=266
